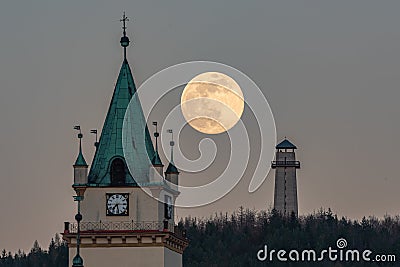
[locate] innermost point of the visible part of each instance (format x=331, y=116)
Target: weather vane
x=78, y=128
x=94, y=131
x=80, y=136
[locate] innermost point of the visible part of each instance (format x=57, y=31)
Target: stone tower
x=119, y=224
x=285, y=165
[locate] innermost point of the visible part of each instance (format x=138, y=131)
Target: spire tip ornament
x=124, y=39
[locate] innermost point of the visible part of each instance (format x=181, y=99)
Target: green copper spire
x=156, y=159
x=80, y=160
x=109, y=156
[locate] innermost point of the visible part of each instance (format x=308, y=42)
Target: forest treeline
x=55, y=256
x=235, y=239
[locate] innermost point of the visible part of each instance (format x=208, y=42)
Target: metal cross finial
x=124, y=20
x=124, y=39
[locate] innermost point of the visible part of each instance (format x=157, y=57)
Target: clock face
x=117, y=204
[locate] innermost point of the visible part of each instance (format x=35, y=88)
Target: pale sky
x=329, y=69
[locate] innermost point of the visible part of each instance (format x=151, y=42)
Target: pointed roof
x=171, y=168
x=80, y=160
x=111, y=143
x=285, y=144
x=156, y=161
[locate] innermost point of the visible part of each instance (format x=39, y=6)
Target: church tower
x=285, y=165
x=118, y=224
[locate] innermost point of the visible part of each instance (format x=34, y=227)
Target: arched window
x=117, y=172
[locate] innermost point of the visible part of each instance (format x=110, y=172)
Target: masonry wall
x=121, y=257
x=285, y=197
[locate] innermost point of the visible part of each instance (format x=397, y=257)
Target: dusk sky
x=329, y=69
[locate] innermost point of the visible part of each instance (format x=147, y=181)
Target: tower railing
x=283, y=163
x=116, y=226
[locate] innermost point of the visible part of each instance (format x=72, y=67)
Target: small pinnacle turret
x=80, y=166
x=156, y=161
x=171, y=169
x=80, y=160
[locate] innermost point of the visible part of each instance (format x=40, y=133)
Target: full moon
x=212, y=102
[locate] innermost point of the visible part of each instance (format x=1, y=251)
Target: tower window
x=168, y=208
x=117, y=172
